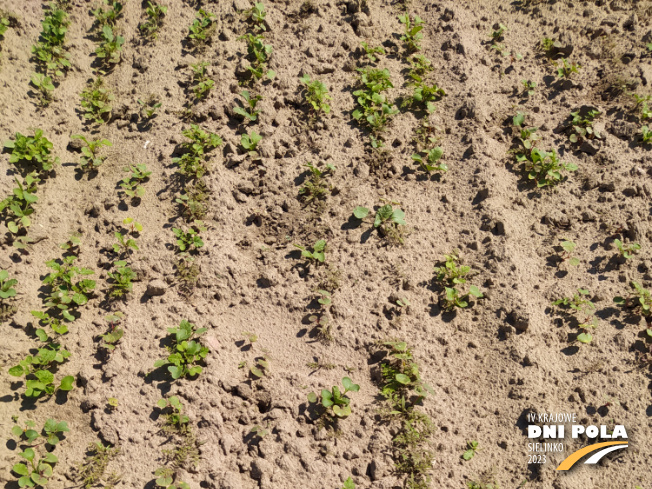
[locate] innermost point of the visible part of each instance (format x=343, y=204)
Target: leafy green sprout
x=316, y=94
x=72, y=244
x=165, y=477
x=583, y=126
x=149, y=107
x=186, y=351
x=110, y=16
x=529, y=87
x=640, y=299
x=50, y=51
x=314, y=189
x=582, y=305
x=349, y=484
x=91, y=159
x=95, y=102
x=66, y=290
x=260, y=431
x=112, y=338
x=372, y=52
x=451, y=272
x=545, y=168
x=568, y=247
x=172, y=412
x=628, y=250
x=646, y=135
x=321, y=319
x=257, y=15
x=430, y=162
x=39, y=379
x=202, y=28
x=19, y=206
x=122, y=278
x=203, y=84
x=335, y=401
x=260, y=368
x=7, y=285
x=190, y=241
x=373, y=110
x=132, y=184
x=259, y=53
x=155, y=14
x=471, y=449
x=249, y=112
x=318, y=251
x=528, y=137
x=567, y=69
x=497, y=34
x=35, y=150
x=387, y=220
x=412, y=34
x=250, y=142
x=52, y=432
x=34, y=472
x=110, y=48
x=125, y=244
x=419, y=66
x=44, y=85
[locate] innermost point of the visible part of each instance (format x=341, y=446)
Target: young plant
x=39, y=379
x=190, y=241
x=95, y=102
x=172, y=413
x=50, y=52
x=111, y=339
x=109, y=52
x=471, y=449
x=387, y=220
x=91, y=159
x=202, y=29
x=72, y=244
x=412, y=31
x=419, y=67
x=640, y=300
x=430, y=161
x=121, y=279
x=318, y=253
x=316, y=94
x=132, y=185
x=528, y=137
x=371, y=52
x=125, y=244
x=373, y=109
x=20, y=205
x=257, y=14
x=567, y=69
x=529, y=87
x=335, y=402
x=451, y=275
x=260, y=369
x=497, y=34
x=314, y=188
x=166, y=478
x=249, y=112
x=45, y=87
x=193, y=202
x=545, y=168
x=149, y=108
x=186, y=351
x=250, y=142
x=581, y=305
x=7, y=285
x=203, y=84
x=568, y=247
x=90, y=472
x=321, y=319
x=155, y=14
x=424, y=94
x=51, y=433
x=646, y=135
x=193, y=162
x=582, y=126
x=627, y=250
x=33, y=151
x=259, y=54
x=110, y=16
x=67, y=289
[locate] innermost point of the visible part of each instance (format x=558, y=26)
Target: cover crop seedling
x=646, y=135
x=250, y=142
x=90, y=472
x=44, y=86
x=412, y=31
x=39, y=379
x=430, y=161
x=95, y=102
x=316, y=94
x=19, y=206
x=203, y=84
x=50, y=52
x=568, y=247
x=314, y=188
x=67, y=288
x=193, y=162
x=149, y=108
x=121, y=279
x=581, y=305
x=259, y=54
x=387, y=220
x=192, y=203
x=109, y=16
x=582, y=126
x=529, y=87
x=371, y=52
x=335, y=402
x=165, y=477
x=257, y=15
x=172, y=413
x=91, y=159
x=318, y=253
x=155, y=14
x=374, y=110
x=132, y=185
x=34, y=150
x=452, y=275
x=321, y=319
x=471, y=449
x=186, y=351
x=110, y=48
x=544, y=167
x=249, y=112
x=567, y=69
x=627, y=250
x=640, y=300
x=7, y=291
x=202, y=29
x=190, y=241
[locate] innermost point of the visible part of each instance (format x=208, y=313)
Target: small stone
x=156, y=287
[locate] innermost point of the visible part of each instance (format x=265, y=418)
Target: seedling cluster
x=187, y=353
x=389, y=221
x=451, y=275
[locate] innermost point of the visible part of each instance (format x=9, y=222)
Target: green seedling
x=335, y=402
x=202, y=29
x=51, y=433
x=190, y=241
x=46, y=320
x=646, y=135
x=429, y=162
x=547, y=45
x=471, y=449
x=259, y=54
x=412, y=31
x=39, y=379
x=96, y=102
x=111, y=339
x=113, y=403
x=72, y=244
x=155, y=14
x=257, y=15
x=110, y=16
x=33, y=151
x=149, y=108
x=321, y=319
x=528, y=137
x=186, y=351
x=640, y=300
x=454, y=298
x=497, y=35
x=193, y=202
x=568, y=247
x=373, y=109
x=451, y=273
x=134, y=226
x=314, y=188
x=371, y=52
x=260, y=369
x=91, y=159
x=249, y=112
x=37, y=469
x=172, y=413
x=317, y=254
x=66, y=289
x=45, y=87
x=19, y=206
x=529, y=87
x=203, y=84
x=545, y=168
x=627, y=250
x=250, y=337
x=109, y=52
x=132, y=184
x=581, y=305
x=387, y=220
x=90, y=472
x=125, y=244
x=400, y=375
x=50, y=52
x=250, y=142
x=316, y=94
x=166, y=477
x=7, y=285
x=260, y=431
x=582, y=126
x=121, y=279
x=646, y=112
x=419, y=67
x=567, y=69
x=349, y=484
x=426, y=95
x=193, y=162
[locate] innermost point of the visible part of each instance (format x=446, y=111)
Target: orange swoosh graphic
x=575, y=456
